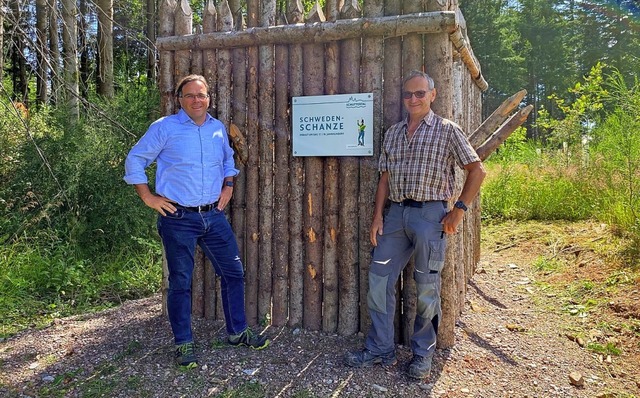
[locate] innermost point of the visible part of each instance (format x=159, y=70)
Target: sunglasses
x=418, y=94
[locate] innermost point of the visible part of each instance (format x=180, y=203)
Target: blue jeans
x=180, y=232
x=407, y=231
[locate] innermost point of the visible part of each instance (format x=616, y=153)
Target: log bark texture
x=317, y=32
x=313, y=67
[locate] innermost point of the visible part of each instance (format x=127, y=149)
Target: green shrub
x=74, y=235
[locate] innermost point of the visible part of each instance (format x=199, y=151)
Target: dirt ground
x=525, y=332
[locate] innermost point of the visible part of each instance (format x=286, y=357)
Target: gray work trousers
x=407, y=230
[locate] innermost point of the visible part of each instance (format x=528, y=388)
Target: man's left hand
x=225, y=197
x=451, y=220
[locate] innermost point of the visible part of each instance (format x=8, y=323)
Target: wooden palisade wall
x=302, y=224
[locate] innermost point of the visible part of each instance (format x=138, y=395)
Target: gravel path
x=511, y=341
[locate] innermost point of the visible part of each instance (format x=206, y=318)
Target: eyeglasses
x=191, y=97
x=418, y=94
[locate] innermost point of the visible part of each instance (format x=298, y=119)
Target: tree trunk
x=313, y=68
x=370, y=82
x=16, y=51
x=105, y=48
x=150, y=18
x=42, y=51
x=253, y=183
x=83, y=50
x=54, y=46
x=296, y=182
x=265, y=270
x=70, y=57
x=348, y=314
x=2, y=5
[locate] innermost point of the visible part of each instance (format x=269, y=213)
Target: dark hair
x=417, y=73
x=189, y=79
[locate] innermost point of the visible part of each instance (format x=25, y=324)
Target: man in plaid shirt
x=417, y=175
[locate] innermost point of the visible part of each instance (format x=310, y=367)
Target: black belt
x=413, y=203
x=201, y=208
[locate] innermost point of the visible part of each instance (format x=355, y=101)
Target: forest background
x=75, y=238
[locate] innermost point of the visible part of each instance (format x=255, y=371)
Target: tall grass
x=597, y=178
x=520, y=191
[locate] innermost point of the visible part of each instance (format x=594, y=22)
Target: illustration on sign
x=333, y=125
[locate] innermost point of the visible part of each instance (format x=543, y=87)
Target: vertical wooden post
x=438, y=63
x=412, y=58
x=253, y=188
x=313, y=67
x=348, y=277
x=165, y=81
x=239, y=115
x=266, y=93
x=331, y=184
x=370, y=81
x=458, y=72
x=166, y=28
x=281, y=189
x=296, y=182
x=392, y=113
x=183, y=26
x=209, y=72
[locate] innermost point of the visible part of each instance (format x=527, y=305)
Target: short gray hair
x=417, y=73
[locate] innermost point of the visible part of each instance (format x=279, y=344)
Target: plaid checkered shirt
x=423, y=168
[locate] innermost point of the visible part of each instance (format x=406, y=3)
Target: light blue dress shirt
x=192, y=160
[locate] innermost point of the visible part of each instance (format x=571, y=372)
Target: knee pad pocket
x=428, y=295
x=377, y=296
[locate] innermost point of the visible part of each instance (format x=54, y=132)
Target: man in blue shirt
x=194, y=184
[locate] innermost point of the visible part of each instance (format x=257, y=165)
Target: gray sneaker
x=249, y=339
x=419, y=367
x=365, y=359
x=186, y=356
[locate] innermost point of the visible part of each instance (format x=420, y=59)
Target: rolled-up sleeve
x=229, y=163
x=143, y=153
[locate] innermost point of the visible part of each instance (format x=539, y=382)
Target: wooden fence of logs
x=302, y=223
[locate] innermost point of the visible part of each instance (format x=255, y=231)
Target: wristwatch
x=228, y=183
x=460, y=205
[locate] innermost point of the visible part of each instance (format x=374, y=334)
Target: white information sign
x=333, y=125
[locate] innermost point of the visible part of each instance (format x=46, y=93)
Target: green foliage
x=543, y=264
x=74, y=235
x=617, y=144
x=608, y=349
x=596, y=177
x=579, y=115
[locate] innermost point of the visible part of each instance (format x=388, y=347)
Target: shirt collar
x=184, y=118
x=428, y=119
